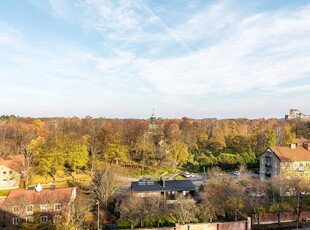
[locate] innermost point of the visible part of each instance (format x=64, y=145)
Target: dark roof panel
x=145, y=186
x=170, y=185
x=179, y=185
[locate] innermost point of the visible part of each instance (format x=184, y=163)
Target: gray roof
x=170, y=185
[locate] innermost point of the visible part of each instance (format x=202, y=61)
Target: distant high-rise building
x=296, y=114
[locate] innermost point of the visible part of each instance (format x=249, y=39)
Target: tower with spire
x=153, y=125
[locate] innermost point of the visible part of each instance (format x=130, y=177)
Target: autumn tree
x=185, y=210
x=49, y=157
x=225, y=196
x=217, y=140
x=298, y=185
x=129, y=208
x=82, y=216
x=116, y=153
x=104, y=185
x=277, y=201
x=255, y=199
x=76, y=151
x=91, y=129
x=179, y=153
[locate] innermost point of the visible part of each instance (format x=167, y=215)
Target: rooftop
x=47, y=196
x=168, y=185
x=291, y=154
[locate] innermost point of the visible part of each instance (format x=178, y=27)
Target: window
x=15, y=221
x=4, y=173
x=10, y=172
x=43, y=207
x=15, y=209
x=29, y=219
x=43, y=219
x=4, y=181
x=57, y=207
x=29, y=209
x=11, y=181
x=57, y=218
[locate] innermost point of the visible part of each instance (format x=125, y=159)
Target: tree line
x=52, y=145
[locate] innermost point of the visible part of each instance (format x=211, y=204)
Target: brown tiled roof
x=291, y=154
x=15, y=162
x=46, y=196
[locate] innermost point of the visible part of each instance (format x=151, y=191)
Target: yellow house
x=276, y=160
x=11, y=170
x=9, y=178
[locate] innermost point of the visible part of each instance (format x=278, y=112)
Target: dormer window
x=269, y=153
x=43, y=207
x=29, y=209
x=57, y=207
x=15, y=209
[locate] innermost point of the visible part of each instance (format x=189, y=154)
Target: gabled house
x=38, y=206
x=167, y=189
x=276, y=160
x=11, y=171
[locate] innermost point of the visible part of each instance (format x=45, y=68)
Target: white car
x=193, y=175
x=236, y=173
x=218, y=174
x=187, y=175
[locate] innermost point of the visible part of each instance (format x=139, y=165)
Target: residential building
x=276, y=160
x=38, y=206
x=11, y=171
x=169, y=190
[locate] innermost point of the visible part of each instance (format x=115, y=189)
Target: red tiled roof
x=15, y=162
x=46, y=196
x=291, y=154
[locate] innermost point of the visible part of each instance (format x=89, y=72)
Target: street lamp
x=97, y=203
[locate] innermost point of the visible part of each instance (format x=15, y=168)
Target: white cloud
x=9, y=35
x=262, y=50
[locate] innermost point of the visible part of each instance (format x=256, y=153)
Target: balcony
x=268, y=156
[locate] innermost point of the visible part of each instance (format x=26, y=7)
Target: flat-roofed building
x=169, y=190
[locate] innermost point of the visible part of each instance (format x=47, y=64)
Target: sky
x=122, y=59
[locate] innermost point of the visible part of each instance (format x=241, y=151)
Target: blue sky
x=121, y=59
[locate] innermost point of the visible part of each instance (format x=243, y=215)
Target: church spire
x=153, y=125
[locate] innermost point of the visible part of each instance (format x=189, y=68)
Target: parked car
x=218, y=174
x=187, y=175
x=193, y=175
x=236, y=173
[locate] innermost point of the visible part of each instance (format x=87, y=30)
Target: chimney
x=306, y=146
x=163, y=182
x=52, y=187
x=31, y=187
x=293, y=146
